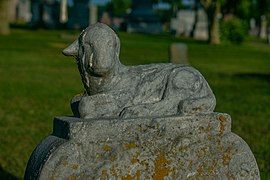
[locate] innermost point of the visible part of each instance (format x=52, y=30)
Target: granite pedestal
x=178, y=147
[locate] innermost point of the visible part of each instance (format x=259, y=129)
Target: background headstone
x=263, y=31
x=63, y=11
x=179, y=53
x=45, y=13
x=253, y=27
x=185, y=20
x=78, y=16
x=51, y=14
x=93, y=16
x=36, y=18
x=201, y=31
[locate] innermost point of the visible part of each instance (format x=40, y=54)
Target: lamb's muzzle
x=72, y=50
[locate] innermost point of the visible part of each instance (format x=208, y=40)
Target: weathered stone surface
x=174, y=147
x=117, y=91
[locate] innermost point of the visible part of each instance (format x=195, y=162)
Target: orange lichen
x=112, y=158
x=222, y=120
x=72, y=177
x=103, y=174
x=226, y=158
x=190, y=164
x=138, y=175
x=130, y=146
x=65, y=163
x=75, y=166
x=107, y=148
x=200, y=170
x=209, y=168
x=212, y=168
x=134, y=160
x=161, y=169
x=127, y=177
x=113, y=171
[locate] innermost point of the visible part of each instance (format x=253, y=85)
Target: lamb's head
x=96, y=51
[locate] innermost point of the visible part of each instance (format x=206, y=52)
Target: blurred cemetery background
x=227, y=40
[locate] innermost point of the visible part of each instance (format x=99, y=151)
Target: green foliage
x=243, y=9
x=239, y=8
x=119, y=7
x=260, y=8
x=234, y=30
x=164, y=15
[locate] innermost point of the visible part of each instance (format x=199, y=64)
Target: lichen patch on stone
x=161, y=167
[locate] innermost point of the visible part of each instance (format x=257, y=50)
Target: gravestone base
x=179, y=147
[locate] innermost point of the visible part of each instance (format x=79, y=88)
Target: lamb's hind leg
x=197, y=105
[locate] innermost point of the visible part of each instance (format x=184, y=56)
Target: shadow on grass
x=6, y=175
x=258, y=76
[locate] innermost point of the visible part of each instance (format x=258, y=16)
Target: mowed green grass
x=37, y=83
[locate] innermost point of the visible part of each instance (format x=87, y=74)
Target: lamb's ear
x=117, y=45
x=72, y=50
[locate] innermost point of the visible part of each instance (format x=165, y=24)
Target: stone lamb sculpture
x=118, y=91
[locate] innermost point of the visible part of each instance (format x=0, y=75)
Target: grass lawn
x=37, y=83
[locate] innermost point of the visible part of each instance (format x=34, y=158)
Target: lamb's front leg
x=98, y=106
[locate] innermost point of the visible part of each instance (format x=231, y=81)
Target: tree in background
x=236, y=15
x=263, y=11
x=118, y=7
x=175, y=6
x=213, y=10
x=196, y=9
x=258, y=9
x=261, y=7
x=4, y=17
x=239, y=8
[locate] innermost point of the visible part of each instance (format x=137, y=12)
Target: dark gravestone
x=142, y=18
x=51, y=14
x=45, y=13
x=36, y=11
x=79, y=14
